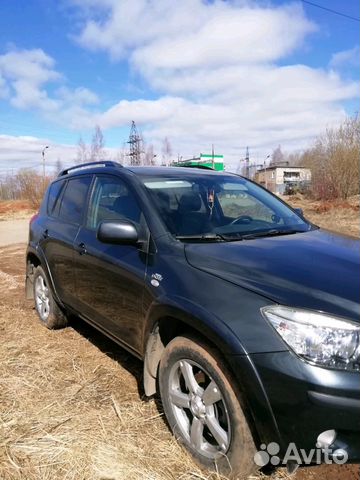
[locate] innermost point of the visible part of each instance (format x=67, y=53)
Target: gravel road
x=13, y=231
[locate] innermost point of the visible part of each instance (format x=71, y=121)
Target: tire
x=201, y=403
x=47, y=309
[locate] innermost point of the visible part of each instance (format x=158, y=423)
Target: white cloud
x=229, y=36
x=216, y=69
x=346, y=58
x=26, y=72
x=25, y=76
x=25, y=152
x=78, y=96
x=4, y=89
x=192, y=33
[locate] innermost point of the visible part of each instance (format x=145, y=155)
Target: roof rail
x=84, y=166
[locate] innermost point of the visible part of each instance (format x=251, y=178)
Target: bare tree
x=82, y=152
x=149, y=155
x=97, y=151
x=30, y=186
x=58, y=166
x=277, y=156
x=166, y=152
x=334, y=161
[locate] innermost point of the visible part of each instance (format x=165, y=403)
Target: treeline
x=27, y=184
x=334, y=160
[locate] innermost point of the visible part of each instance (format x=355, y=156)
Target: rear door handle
x=82, y=248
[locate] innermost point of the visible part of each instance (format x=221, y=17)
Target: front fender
x=217, y=332
x=198, y=318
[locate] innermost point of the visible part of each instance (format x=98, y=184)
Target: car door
x=110, y=278
x=65, y=210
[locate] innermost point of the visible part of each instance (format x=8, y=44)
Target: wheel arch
x=32, y=262
x=34, y=259
x=166, y=321
x=253, y=399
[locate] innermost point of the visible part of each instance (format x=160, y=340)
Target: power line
x=332, y=11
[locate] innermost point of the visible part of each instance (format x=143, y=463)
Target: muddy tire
x=201, y=403
x=47, y=309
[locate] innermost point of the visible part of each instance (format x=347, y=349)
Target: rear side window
x=73, y=202
x=54, y=196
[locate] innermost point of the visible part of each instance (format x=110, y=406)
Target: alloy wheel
x=42, y=298
x=199, y=408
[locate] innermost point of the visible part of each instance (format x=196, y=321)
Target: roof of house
x=274, y=167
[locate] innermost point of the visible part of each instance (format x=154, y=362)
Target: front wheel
x=201, y=403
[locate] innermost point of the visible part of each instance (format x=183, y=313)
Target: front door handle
x=82, y=248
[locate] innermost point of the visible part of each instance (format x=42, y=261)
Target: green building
x=205, y=160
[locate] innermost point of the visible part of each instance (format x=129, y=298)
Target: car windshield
x=225, y=207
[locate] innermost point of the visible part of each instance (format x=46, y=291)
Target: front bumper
x=307, y=400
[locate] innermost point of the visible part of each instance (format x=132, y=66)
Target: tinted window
x=54, y=196
x=112, y=200
x=74, y=199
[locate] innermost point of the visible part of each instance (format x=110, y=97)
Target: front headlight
x=319, y=338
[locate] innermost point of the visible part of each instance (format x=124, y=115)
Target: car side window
x=73, y=201
x=112, y=200
x=54, y=196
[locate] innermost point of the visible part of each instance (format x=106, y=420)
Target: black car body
x=216, y=286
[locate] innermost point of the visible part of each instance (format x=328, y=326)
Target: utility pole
x=135, y=145
x=265, y=174
x=247, y=163
x=213, y=156
x=43, y=164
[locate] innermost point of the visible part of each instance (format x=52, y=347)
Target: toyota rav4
x=245, y=314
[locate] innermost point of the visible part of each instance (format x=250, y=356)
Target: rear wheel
x=47, y=309
x=202, y=406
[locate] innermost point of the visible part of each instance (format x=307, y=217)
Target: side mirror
x=121, y=232
x=299, y=211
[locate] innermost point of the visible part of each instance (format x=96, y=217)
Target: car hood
x=317, y=269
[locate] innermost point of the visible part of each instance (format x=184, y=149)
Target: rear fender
x=29, y=280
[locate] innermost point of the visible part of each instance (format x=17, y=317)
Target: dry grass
x=15, y=209
x=339, y=216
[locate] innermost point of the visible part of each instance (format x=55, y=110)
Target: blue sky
x=257, y=73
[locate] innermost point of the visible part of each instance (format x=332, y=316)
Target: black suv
x=245, y=314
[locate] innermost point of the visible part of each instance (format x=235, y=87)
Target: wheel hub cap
x=197, y=407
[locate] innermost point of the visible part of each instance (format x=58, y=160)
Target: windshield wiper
x=202, y=237
x=218, y=237
x=270, y=233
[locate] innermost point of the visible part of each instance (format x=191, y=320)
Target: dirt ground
x=72, y=405
x=340, y=216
